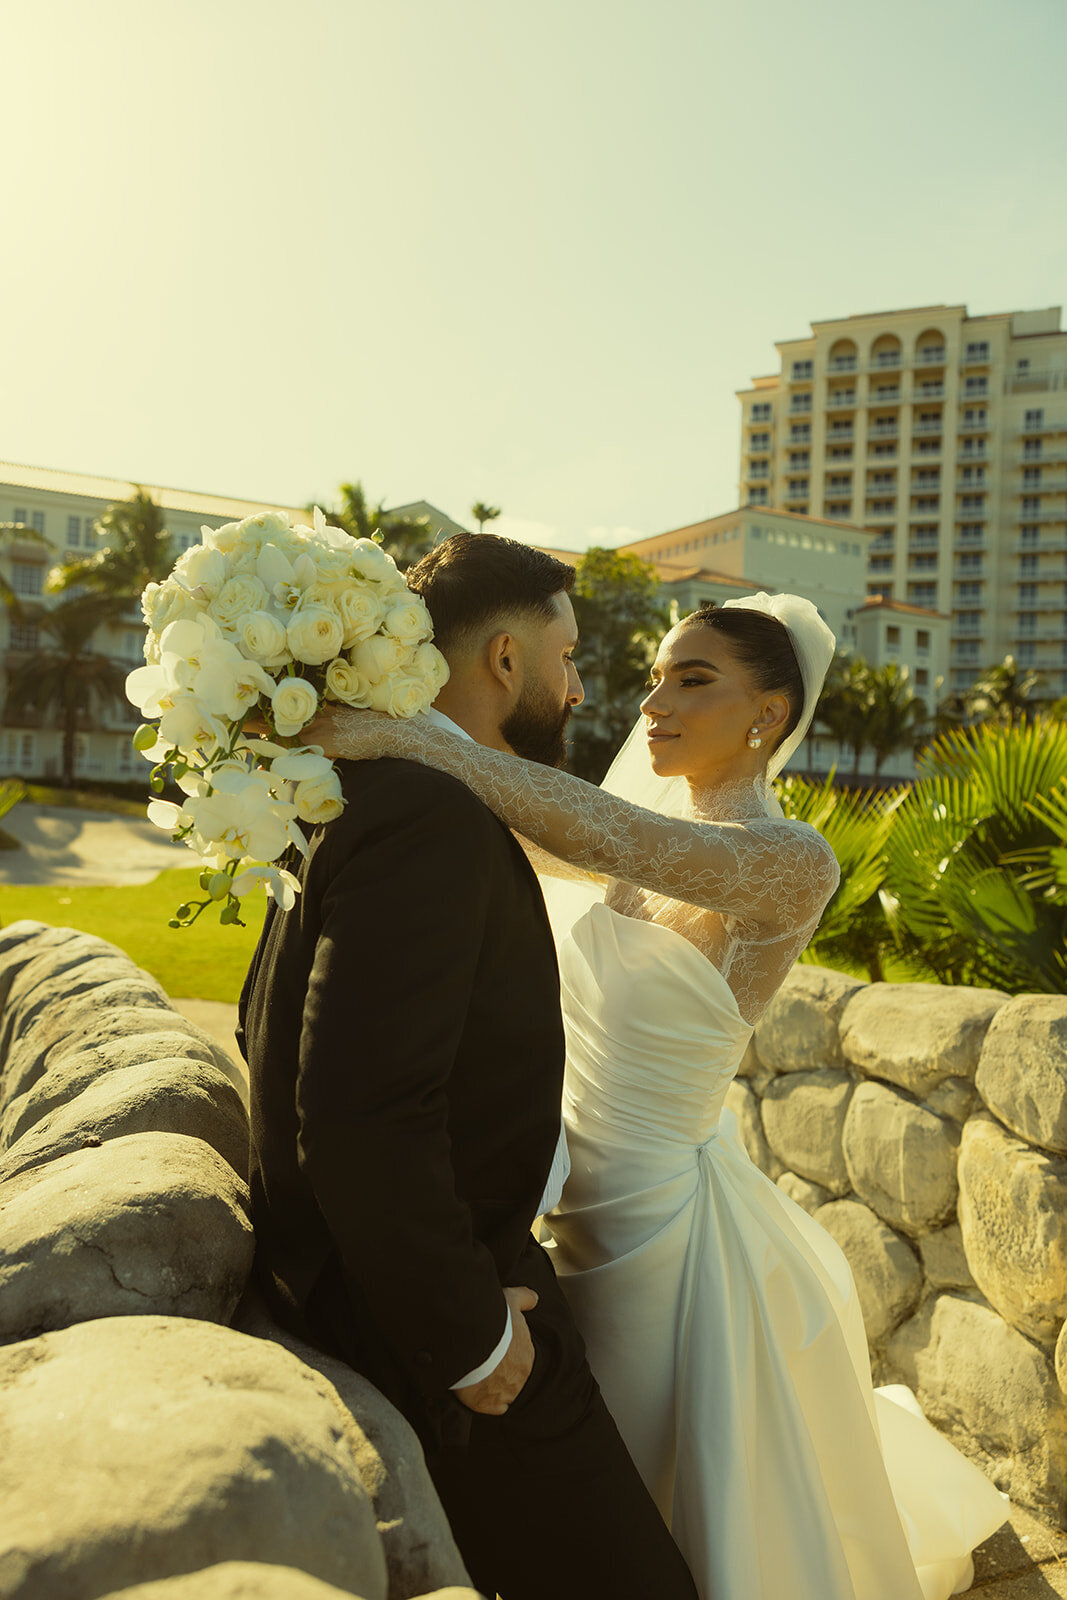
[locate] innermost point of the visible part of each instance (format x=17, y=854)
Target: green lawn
x=204, y=962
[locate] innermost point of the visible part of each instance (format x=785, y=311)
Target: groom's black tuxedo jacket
x=403, y=1034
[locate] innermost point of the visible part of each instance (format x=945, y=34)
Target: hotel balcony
x=1043, y=516
x=1031, y=430
x=1041, y=458
x=841, y=402
x=1049, y=485
x=887, y=359
x=841, y=436
x=843, y=364
x=884, y=430
x=932, y=391
x=791, y=494
x=1058, y=548
x=975, y=360
x=883, y=397
x=974, y=427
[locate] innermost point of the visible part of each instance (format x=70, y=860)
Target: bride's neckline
x=736, y=800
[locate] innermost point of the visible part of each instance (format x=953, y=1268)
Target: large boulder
x=917, y=1034
x=140, y=1448
x=420, y=1551
x=901, y=1158
x=157, y=1095
x=807, y=1195
x=800, y=1029
x=1022, y=1072
x=745, y=1105
x=945, y=1260
x=1013, y=1215
x=236, y=1580
x=993, y=1391
x=804, y=1117
x=888, y=1277
x=153, y=1222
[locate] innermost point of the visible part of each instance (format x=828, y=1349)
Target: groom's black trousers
x=544, y=1502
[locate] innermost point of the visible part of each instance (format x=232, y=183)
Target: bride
x=721, y=1321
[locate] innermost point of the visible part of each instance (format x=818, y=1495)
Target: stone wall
x=162, y=1438
x=925, y=1128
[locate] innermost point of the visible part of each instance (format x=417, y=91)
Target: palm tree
x=65, y=676
x=406, y=539
x=137, y=551
x=483, y=514
x=895, y=716
x=843, y=709
x=1003, y=693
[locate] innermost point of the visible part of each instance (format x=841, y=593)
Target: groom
x=403, y=1032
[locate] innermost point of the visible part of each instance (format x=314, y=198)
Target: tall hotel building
x=945, y=435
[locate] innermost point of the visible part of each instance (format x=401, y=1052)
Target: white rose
x=237, y=597
x=410, y=621
x=360, y=613
x=167, y=602
x=371, y=561
x=430, y=664
x=263, y=637
x=402, y=694
x=226, y=539
x=376, y=658
x=294, y=702
x=319, y=799
x=345, y=682
x=202, y=568
x=315, y=634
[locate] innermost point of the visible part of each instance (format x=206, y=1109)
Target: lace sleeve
x=774, y=874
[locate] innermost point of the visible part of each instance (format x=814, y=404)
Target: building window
x=1028, y=563
x=978, y=351
x=800, y=433
x=1028, y=594
x=1031, y=506
x=24, y=636
x=972, y=475
x=883, y=450
x=37, y=521
x=969, y=591
x=26, y=577
x=1028, y=534
x=976, y=386
x=927, y=502
x=757, y=497
x=885, y=590
x=1031, y=477
x=968, y=619
x=844, y=483
x=761, y=411
x=922, y=640
x=1032, y=419
x=800, y=458
x=880, y=563
x=922, y=678
x=970, y=561
x=922, y=561
x=800, y=402
x=974, y=418
x=926, y=475
x=840, y=452
x=892, y=637
x=21, y=515
x=74, y=531
x=922, y=594
x=972, y=502
x=803, y=369
x=1026, y=652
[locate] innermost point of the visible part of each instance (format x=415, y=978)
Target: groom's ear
x=502, y=658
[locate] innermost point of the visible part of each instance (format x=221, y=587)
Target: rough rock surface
x=917, y=1034
x=1013, y=1214
x=901, y=1158
x=156, y=1095
x=955, y=1098
x=799, y=1031
x=238, y=1580
x=1022, y=1073
x=888, y=1277
x=744, y=1103
x=944, y=1259
x=420, y=1551
x=194, y=1446
x=993, y=1391
x=149, y=1223
x=1061, y=1359
x=803, y=1117
x=807, y=1195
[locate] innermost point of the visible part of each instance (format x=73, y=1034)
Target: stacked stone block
x=925, y=1128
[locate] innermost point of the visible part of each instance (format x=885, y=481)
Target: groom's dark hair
x=476, y=579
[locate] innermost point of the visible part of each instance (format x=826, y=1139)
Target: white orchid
x=282, y=886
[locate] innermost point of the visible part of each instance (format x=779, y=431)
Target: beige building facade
x=63, y=508
x=945, y=436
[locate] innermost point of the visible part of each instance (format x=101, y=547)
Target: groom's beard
x=537, y=728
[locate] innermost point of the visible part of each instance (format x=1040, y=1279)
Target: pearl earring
x=754, y=740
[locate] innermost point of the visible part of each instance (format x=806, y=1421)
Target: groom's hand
x=494, y=1394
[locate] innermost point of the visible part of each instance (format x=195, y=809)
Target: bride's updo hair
x=761, y=644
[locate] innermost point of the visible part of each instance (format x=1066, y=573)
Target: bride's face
x=700, y=706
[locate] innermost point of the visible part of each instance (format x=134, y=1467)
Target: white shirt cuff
x=493, y=1361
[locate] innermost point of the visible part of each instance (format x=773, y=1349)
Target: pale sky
x=478, y=249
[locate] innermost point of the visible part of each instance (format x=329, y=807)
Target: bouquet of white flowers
x=264, y=620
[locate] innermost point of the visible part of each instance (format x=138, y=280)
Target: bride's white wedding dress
x=721, y=1320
